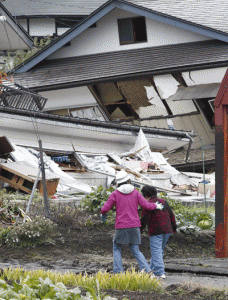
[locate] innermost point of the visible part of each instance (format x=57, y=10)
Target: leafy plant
x=29, y=234
x=204, y=220
x=190, y=219
x=15, y=58
x=34, y=289
x=95, y=200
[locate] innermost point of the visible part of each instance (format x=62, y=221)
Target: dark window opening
x=6, y=174
x=68, y=44
x=28, y=185
x=66, y=22
x=205, y=107
x=94, y=25
x=124, y=107
x=132, y=30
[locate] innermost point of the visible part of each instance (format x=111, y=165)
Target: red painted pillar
x=221, y=173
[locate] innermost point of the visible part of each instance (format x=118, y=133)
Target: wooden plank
x=15, y=185
x=51, y=186
x=25, y=182
x=18, y=169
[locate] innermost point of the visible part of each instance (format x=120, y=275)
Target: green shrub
x=190, y=219
x=29, y=234
x=95, y=200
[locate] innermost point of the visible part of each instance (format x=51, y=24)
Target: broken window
x=132, y=30
x=206, y=107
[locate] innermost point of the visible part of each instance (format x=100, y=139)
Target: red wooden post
x=221, y=170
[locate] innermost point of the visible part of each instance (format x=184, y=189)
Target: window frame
x=203, y=111
x=134, y=41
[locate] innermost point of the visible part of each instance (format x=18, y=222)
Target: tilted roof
x=208, y=13
x=104, y=10
x=128, y=64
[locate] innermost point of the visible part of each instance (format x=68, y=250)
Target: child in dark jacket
x=160, y=225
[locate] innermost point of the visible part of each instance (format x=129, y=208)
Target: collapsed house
x=166, y=75
x=98, y=79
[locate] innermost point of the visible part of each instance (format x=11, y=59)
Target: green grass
x=129, y=281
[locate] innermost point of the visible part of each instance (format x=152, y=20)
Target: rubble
x=19, y=168
x=143, y=166
x=21, y=176
x=67, y=184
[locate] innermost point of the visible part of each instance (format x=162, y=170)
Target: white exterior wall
x=204, y=76
x=197, y=123
x=105, y=37
x=41, y=27
x=68, y=98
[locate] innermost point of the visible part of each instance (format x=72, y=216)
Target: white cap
x=122, y=176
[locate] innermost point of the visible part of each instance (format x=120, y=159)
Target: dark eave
x=124, y=65
x=101, y=124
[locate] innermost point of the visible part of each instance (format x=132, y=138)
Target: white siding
x=41, y=27
x=67, y=98
x=204, y=76
x=182, y=106
x=105, y=37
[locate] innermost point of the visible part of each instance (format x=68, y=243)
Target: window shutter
x=125, y=31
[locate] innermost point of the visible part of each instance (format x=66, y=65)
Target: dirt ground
x=93, y=244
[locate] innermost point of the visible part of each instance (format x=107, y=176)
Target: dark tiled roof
x=128, y=64
x=208, y=13
x=178, y=157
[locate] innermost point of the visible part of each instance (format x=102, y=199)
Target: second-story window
x=132, y=30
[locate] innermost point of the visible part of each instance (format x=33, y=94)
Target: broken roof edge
x=17, y=27
x=105, y=9
x=101, y=124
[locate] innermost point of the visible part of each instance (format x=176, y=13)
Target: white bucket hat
x=122, y=176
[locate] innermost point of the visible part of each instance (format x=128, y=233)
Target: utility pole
x=204, y=179
x=221, y=170
x=46, y=204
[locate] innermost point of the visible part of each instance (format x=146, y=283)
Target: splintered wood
x=22, y=176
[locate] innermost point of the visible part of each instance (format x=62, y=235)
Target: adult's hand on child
x=160, y=206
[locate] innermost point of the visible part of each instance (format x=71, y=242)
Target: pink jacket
x=126, y=199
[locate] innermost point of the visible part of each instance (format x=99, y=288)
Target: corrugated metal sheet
x=207, y=12
x=200, y=91
x=129, y=64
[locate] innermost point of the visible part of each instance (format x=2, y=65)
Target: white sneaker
x=151, y=274
x=162, y=276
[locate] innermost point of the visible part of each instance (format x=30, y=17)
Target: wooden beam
x=93, y=89
x=167, y=117
x=221, y=181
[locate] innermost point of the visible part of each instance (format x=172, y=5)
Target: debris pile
x=20, y=170
x=143, y=166
x=20, y=167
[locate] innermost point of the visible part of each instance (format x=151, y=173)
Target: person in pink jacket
x=126, y=200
